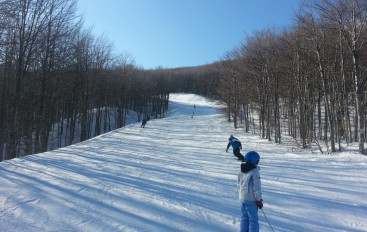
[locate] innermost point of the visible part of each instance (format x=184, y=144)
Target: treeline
x=60, y=84
x=308, y=81
x=57, y=77
x=202, y=80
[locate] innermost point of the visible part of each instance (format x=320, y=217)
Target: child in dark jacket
x=144, y=121
x=237, y=146
x=249, y=190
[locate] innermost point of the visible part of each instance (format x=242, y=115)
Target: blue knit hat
x=252, y=157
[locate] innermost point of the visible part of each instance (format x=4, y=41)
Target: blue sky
x=180, y=33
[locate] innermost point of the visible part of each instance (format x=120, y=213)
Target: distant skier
x=249, y=191
x=193, y=112
x=144, y=121
x=237, y=146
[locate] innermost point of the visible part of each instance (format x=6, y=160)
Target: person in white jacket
x=249, y=190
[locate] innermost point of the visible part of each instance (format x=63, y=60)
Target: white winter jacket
x=249, y=185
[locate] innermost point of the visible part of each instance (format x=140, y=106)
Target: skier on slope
x=249, y=190
x=237, y=146
x=144, y=121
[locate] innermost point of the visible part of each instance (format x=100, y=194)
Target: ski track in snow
x=174, y=175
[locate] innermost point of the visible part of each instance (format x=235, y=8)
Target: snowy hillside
x=174, y=175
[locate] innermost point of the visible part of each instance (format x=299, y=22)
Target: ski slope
x=174, y=175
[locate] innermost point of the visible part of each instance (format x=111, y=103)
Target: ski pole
x=267, y=220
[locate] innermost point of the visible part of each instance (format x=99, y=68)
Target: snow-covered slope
x=174, y=175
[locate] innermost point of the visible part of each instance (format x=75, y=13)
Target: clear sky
x=180, y=33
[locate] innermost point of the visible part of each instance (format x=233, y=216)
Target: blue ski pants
x=249, y=217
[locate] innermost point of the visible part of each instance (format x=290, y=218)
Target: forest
x=307, y=81
x=55, y=75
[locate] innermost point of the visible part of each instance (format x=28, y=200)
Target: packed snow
x=174, y=175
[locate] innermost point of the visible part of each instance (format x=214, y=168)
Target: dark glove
x=259, y=204
x=226, y=150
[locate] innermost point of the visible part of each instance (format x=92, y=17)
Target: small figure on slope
x=193, y=112
x=144, y=121
x=249, y=190
x=237, y=146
